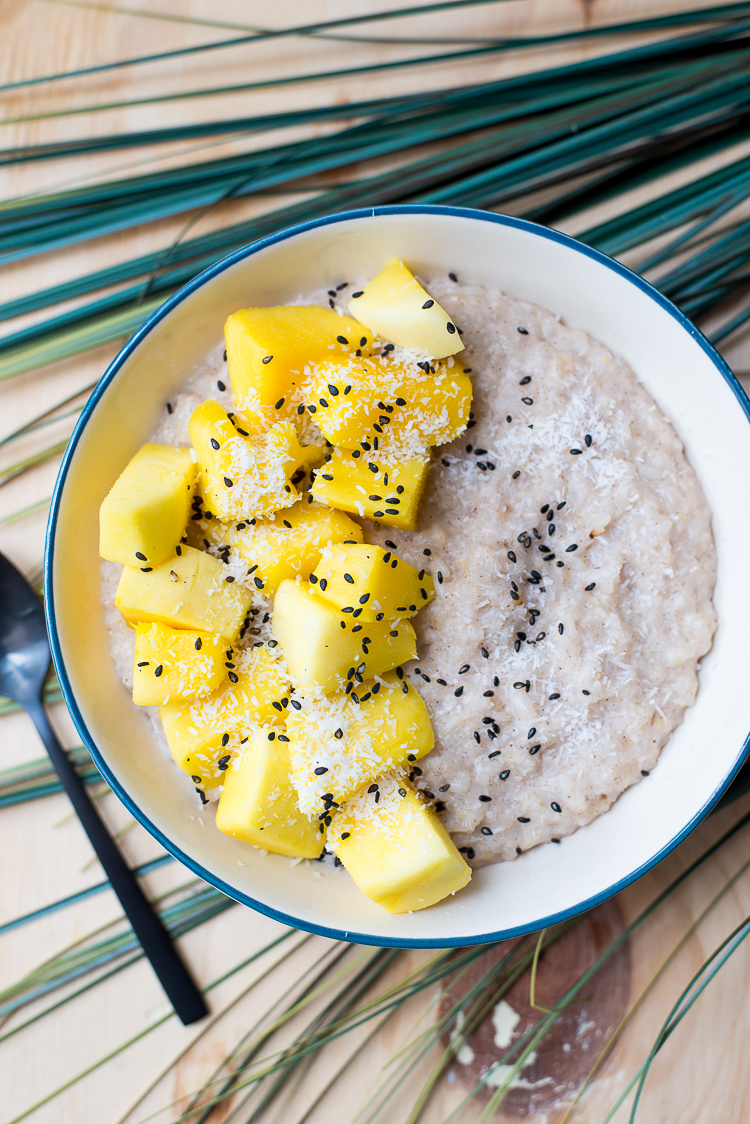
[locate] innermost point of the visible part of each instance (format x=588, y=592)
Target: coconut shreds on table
x=571, y=547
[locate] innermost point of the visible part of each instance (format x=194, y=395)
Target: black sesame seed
x=440, y=577
x=221, y=385
x=588, y=439
x=523, y=819
x=528, y=401
x=428, y=304
x=342, y=339
x=477, y=736
x=516, y=474
x=561, y=628
x=585, y=692
x=505, y=774
x=486, y=830
x=644, y=773
x=462, y=670
x=589, y=587
x=451, y=328
x=576, y=452
x=143, y=663
x=570, y=549
x=523, y=331
x=555, y=696
x=158, y=670
x=458, y=692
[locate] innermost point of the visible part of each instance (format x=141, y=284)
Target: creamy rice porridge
x=572, y=551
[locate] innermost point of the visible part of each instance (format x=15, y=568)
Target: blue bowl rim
x=134, y=341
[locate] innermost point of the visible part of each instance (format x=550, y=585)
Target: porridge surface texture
x=577, y=562
x=571, y=547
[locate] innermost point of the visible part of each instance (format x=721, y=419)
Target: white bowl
x=693, y=386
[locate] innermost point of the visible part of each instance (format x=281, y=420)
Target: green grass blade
x=81, y=895
x=63, y=345
x=244, y=40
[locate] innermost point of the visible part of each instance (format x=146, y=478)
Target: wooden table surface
x=700, y=1077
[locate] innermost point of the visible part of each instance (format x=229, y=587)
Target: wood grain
x=699, y=1077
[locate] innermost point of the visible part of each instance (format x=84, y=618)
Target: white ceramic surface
x=588, y=291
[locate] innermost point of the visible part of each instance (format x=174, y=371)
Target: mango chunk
x=259, y=804
x=367, y=487
x=144, y=515
x=370, y=582
x=176, y=663
x=405, y=407
x=242, y=477
x=396, y=307
x=288, y=543
x=339, y=746
x=396, y=849
x=269, y=348
x=321, y=648
x=187, y=590
x=203, y=734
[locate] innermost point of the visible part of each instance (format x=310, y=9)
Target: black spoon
x=24, y=661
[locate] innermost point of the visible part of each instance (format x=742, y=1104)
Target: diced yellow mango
x=396, y=307
x=289, y=542
x=242, y=477
x=188, y=590
x=259, y=804
x=203, y=734
x=405, y=408
x=396, y=849
x=320, y=645
x=339, y=746
x=174, y=663
x=348, y=482
x=269, y=348
x=370, y=583
x=143, y=517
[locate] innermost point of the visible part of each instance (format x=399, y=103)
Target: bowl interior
x=676, y=366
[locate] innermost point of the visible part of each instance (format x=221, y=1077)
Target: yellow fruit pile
x=312, y=734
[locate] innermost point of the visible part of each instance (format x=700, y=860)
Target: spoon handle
x=155, y=941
